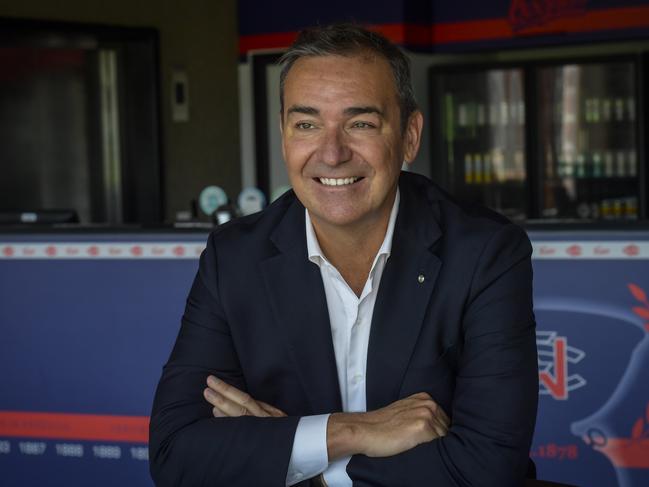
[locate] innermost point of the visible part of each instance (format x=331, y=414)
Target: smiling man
x=344, y=144
x=364, y=329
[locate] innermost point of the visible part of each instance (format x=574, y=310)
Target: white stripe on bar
x=101, y=250
x=591, y=250
x=553, y=250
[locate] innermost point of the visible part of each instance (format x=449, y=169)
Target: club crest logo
x=524, y=14
x=556, y=358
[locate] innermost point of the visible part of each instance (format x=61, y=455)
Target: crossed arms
x=384, y=432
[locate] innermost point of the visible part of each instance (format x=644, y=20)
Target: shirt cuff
x=309, y=455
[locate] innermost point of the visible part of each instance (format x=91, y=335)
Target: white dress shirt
x=350, y=318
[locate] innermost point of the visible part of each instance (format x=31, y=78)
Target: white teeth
x=337, y=182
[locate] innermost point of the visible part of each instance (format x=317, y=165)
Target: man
x=364, y=328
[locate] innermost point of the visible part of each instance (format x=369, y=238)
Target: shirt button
x=298, y=475
x=357, y=378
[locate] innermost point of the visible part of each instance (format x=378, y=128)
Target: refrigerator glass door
x=587, y=141
x=482, y=114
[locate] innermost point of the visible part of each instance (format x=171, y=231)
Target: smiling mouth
x=337, y=181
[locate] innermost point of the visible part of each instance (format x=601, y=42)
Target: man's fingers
x=441, y=422
x=227, y=390
x=230, y=401
x=242, y=399
x=445, y=419
x=420, y=395
x=424, y=399
x=440, y=431
x=224, y=405
x=441, y=417
x=272, y=410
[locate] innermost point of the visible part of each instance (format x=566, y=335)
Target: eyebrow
x=350, y=111
x=303, y=110
x=353, y=111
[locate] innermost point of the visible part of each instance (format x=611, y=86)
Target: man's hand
x=229, y=401
x=384, y=432
x=388, y=431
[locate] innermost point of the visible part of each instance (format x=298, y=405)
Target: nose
x=334, y=148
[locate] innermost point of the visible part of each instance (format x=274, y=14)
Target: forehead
x=327, y=80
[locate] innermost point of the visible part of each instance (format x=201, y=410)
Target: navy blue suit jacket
x=257, y=317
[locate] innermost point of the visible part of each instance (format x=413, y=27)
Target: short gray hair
x=348, y=40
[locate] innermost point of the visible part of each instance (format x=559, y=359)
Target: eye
x=362, y=125
x=304, y=126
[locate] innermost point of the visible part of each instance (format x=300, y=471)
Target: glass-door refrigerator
x=554, y=140
x=479, y=131
x=588, y=141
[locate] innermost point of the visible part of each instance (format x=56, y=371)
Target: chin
x=338, y=219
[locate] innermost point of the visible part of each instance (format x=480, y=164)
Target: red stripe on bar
x=282, y=40
x=412, y=34
x=64, y=426
x=278, y=40
x=474, y=30
x=477, y=30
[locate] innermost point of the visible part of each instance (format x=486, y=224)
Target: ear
x=412, y=136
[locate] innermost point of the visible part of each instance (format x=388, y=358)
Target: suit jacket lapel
x=406, y=286
x=297, y=297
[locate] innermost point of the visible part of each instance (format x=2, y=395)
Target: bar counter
x=89, y=315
